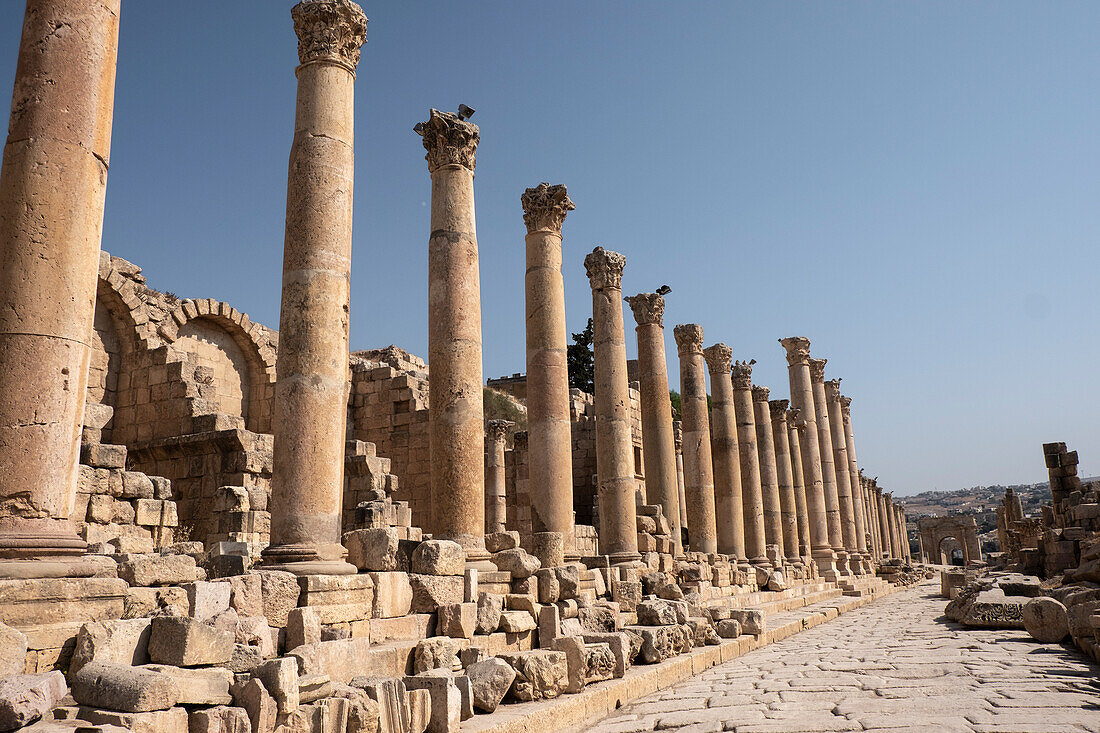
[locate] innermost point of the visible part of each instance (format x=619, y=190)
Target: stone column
x=903, y=535
x=658, y=441
x=828, y=465
x=751, y=490
x=883, y=524
x=769, y=478
x=843, y=476
x=614, y=448
x=496, y=501
x=782, y=442
x=892, y=527
x=311, y=399
x=871, y=514
x=52, y=187
x=550, y=453
x=728, y=503
x=795, y=431
x=678, y=436
x=455, y=421
x=858, y=502
x=802, y=398
x=698, y=466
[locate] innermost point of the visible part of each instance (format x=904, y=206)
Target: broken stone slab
x=258, y=703
x=569, y=582
x=517, y=622
x=446, y=700
x=573, y=648
x=119, y=687
x=517, y=562
x=255, y=632
x=438, y=652
x=13, y=650
x=777, y=581
x=246, y=594
x=394, y=705
x=752, y=620
x=627, y=593
x=279, y=593
x=432, y=591
x=457, y=620
x=499, y=541
x=618, y=643
x=156, y=721
x=600, y=662
x=540, y=674
x=438, y=557
x=375, y=549
x=25, y=698
x=549, y=589
x=206, y=600
x=1018, y=584
x=280, y=679
x=658, y=642
x=303, y=626
x=313, y=687
x=219, y=719
x=393, y=594
x=490, y=606
x=656, y=613
x=185, y=642
x=207, y=686
x=490, y=679
x=158, y=570
x=363, y=712
x=245, y=658
x=992, y=609
x=419, y=710
x=1046, y=620
x=598, y=619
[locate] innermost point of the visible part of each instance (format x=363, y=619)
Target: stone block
x=658, y=642
x=245, y=658
x=516, y=622
x=219, y=719
x=158, y=570
x=280, y=679
x=627, y=593
x=548, y=548
x=258, y=703
x=540, y=674
x=1046, y=620
x=173, y=720
x=303, y=626
x=573, y=648
x=568, y=582
x=394, y=704
x=121, y=642
x=254, y=631
x=598, y=618
x=136, y=485
x=458, y=620
x=489, y=609
x=127, y=689
x=25, y=698
x=13, y=650
x=549, y=626
x=338, y=598
x=446, y=701
x=600, y=663
x=206, y=600
x=548, y=586
x=752, y=620
x=438, y=652
x=184, y=642
x=419, y=710
x=377, y=550
x=618, y=644
x=498, y=541
x=363, y=712
x=517, y=562
x=208, y=686
x=393, y=594
x=102, y=455
x=246, y=594
x=279, y=592
x=490, y=680
x=432, y=591
x=656, y=613
x=992, y=609
x=313, y=687
x=438, y=557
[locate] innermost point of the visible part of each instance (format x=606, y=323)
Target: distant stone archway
x=936, y=532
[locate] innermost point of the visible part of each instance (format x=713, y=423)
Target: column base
x=301, y=559
x=825, y=560
x=83, y=566
x=625, y=559
x=842, y=565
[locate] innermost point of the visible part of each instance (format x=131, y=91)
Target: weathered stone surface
x=123, y=642
x=439, y=652
x=656, y=613
x=246, y=594
x=395, y=705
x=569, y=582
x=393, y=594
x=517, y=562
x=752, y=620
x=279, y=591
x=313, y=687
x=618, y=643
x=549, y=588
x=127, y=689
x=280, y=679
x=154, y=721
x=540, y=674
x=338, y=598
x=438, y=557
x=992, y=609
x=491, y=680
x=490, y=606
x=303, y=626
x=158, y=570
x=458, y=620
x=627, y=593
x=600, y=663
x=598, y=618
x=219, y=719
x=256, y=632
x=432, y=591
x=446, y=700
x=573, y=649
x=260, y=705
x=208, y=686
x=419, y=710
x=206, y=600
x=24, y=698
x=363, y=712
x=1046, y=620
x=515, y=622
x=499, y=541
x=13, y=648
x=777, y=580
x=658, y=642
x=184, y=642
x=375, y=550
x=245, y=658
x=1018, y=584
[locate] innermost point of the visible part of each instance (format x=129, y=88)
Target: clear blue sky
x=912, y=185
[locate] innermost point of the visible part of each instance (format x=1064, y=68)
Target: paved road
x=894, y=665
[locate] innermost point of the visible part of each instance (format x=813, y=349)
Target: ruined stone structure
x=936, y=535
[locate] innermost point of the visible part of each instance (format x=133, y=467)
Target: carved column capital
x=689, y=337
x=678, y=434
x=798, y=349
x=817, y=370
x=648, y=308
x=449, y=140
x=605, y=269
x=794, y=418
x=832, y=389
x=742, y=374
x=329, y=30
x=779, y=410
x=719, y=359
x=497, y=430
x=760, y=394
x=545, y=207
x=845, y=405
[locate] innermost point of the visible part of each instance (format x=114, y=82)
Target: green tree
x=580, y=362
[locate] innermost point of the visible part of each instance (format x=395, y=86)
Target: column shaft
x=783, y=467
x=698, y=465
x=728, y=502
x=752, y=493
x=550, y=452
x=311, y=398
x=658, y=441
x=828, y=464
x=614, y=448
x=496, y=501
x=802, y=515
x=52, y=187
x=845, y=495
x=883, y=525
x=678, y=435
x=769, y=475
x=892, y=528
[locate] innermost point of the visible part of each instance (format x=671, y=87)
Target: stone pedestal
x=783, y=469
x=728, y=503
x=698, y=465
x=550, y=456
x=859, y=499
x=52, y=187
x=496, y=513
x=658, y=441
x=614, y=447
x=828, y=466
x=802, y=398
x=752, y=497
x=769, y=474
x=310, y=421
x=795, y=430
x=455, y=425
x=845, y=497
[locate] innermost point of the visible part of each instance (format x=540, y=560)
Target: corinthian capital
x=678, y=433
x=648, y=308
x=832, y=389
x=329, y=30
x=798, y=349
x=605, y=269
x=760, y=394
x=545, y=207
x=846, y=405
x=817, y=370
x=449, y=140
x=742, y=374
x=689, y=337
x=794, y=418
x=496, y=430
x=779, y=410
x=718, y=359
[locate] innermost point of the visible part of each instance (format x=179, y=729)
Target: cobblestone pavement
x=893, y=665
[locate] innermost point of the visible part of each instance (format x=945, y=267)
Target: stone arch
x=948, y=548
x=935, y=531
x=114, y=339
